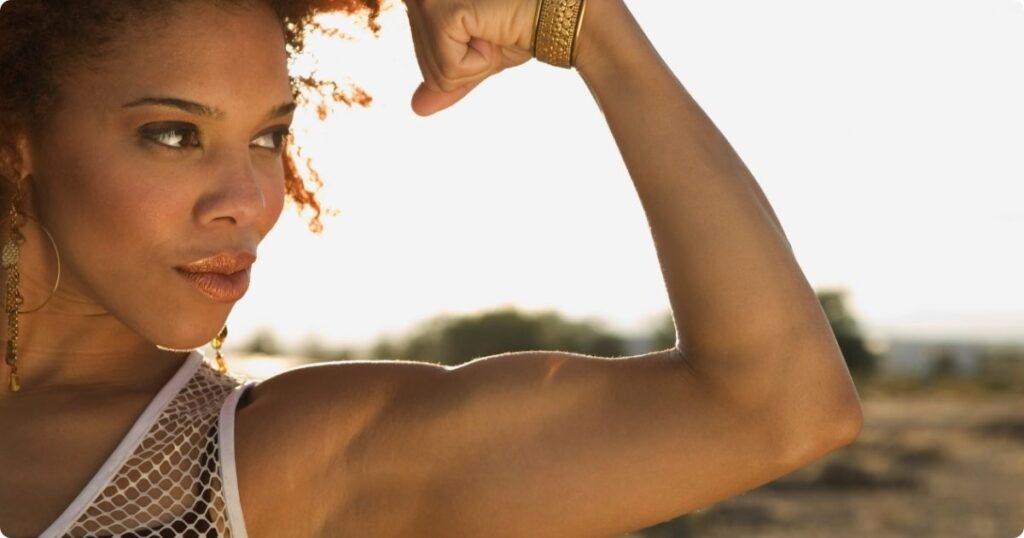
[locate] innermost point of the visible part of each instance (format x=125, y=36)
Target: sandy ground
x=936, y=466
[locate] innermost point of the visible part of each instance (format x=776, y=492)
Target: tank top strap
x=174, y=471
x=227, y=454
x=126, y=447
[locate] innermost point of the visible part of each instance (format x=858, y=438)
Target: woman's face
x=166, y=151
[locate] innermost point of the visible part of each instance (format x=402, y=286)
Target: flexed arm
x=748, y=322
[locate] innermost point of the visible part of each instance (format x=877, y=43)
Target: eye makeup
x=178, y=136
x=279, y=134
x=168, y=134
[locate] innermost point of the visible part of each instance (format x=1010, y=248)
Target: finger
x=460, y=56
x=489, y=60
x=479, y=52
x=427, y=55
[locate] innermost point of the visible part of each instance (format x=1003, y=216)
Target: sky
x=887, y=136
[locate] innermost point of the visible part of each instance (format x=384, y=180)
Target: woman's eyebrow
x=282, y=110
x=200, y=109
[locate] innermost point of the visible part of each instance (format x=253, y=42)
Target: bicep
x=553, y=444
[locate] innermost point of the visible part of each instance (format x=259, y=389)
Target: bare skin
x=124, y=211
x=520, y=444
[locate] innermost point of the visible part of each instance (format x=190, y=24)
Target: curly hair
x=40, y=38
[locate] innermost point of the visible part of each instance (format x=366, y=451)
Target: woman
x=154, y=159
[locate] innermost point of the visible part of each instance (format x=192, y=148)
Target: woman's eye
x=177, y=136
x=185, y=136
x=274, y=140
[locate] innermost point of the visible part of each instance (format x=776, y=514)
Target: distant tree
x=385, y=349
x=1002, y=366
x=451, y=340
x=262, y=341
x=315, y=350
x=860, y=360
x=943, y=364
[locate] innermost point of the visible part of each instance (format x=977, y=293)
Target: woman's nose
x=235, y=197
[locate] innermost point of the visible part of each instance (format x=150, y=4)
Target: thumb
x=426, y=101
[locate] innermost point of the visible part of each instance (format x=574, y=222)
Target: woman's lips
x=220, y=287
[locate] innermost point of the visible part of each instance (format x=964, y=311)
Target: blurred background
x=887, y=136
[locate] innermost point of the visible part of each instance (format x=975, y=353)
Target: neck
x=58, y=352
x=73, y=342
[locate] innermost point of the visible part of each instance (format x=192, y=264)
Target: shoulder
x=290, y=430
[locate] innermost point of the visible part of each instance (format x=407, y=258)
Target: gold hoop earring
x=216, y=343
x=12, y=297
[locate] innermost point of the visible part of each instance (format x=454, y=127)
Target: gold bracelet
x=556, y=31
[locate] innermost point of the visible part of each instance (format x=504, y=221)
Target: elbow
x=841, y=419
x=844, y=419
x=829, y=413
x=849, y=425
x=840, y=429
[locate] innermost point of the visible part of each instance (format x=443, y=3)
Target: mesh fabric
x=172, y=484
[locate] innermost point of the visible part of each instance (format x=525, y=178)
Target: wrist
x=609, y=40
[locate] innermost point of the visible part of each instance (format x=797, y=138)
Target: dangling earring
x=12, y=296
x=216, y=343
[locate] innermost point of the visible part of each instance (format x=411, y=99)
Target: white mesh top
x=173, y=474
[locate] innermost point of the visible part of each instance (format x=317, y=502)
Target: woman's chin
x=185, y=342
x=177, y=349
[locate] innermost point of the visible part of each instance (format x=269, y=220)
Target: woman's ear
x=24, y=156
x=15, y=164
x=16, y=158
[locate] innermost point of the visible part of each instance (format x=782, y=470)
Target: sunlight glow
x=900, y=185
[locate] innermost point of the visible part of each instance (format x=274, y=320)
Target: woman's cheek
x=275, y=200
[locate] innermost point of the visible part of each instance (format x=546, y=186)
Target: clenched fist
x=459, y=43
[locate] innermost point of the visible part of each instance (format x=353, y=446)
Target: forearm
x=745, y=314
